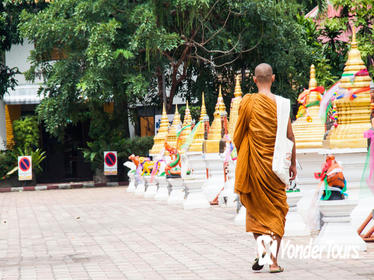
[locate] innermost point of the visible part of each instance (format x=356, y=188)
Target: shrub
x=26, y=133
x=7, y=162
x=94, y=153
x=138, y=146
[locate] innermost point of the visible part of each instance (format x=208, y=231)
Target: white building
x=24, y=96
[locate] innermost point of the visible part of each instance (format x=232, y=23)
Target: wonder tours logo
x=267, y=247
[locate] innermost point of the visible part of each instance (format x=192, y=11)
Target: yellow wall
x=12, y=113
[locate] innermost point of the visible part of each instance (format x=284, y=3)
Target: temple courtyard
x=107, y=233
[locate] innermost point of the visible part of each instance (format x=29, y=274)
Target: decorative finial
x=220, y=102
x=238, y=90
x=203, y=109
x=177, y=118
x=354, y=36
x=312, y=80
x=187, y=116
x=163, y=109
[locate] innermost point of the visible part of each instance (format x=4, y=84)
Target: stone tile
x=106, y=233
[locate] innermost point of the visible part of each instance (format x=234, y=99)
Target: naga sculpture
x=171, y=167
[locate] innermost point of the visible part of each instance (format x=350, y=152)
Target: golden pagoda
x=308, y=128
x=174, y=128
x=212, y=144
x=197, y=142
x=353, y=114
x=186, y=122
x=161, y=135
x=234, y=107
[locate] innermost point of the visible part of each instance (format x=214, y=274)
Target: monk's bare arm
x=291, y=136
x=241, y=126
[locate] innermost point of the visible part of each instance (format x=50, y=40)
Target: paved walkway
x=106, y=233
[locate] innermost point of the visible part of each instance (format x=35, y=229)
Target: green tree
x=95, y=68
x=9, y=34
x=189, y=44
x=361, y=14
x=121, y=50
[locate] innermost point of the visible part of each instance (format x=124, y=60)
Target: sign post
x=24, y=168
x=110, y=163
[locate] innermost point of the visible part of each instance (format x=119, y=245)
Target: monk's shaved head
x=264, y=73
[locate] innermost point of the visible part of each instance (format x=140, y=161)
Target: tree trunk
x=126, y=117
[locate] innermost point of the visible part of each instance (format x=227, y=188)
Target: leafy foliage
x=26, y=133
x=194, y=111
x=37, y=156
x=95, y=68
x=26, y=136
x=94, y=153
x=7, y=162
x=9, y=34
x=361, y=14
x=121, y=50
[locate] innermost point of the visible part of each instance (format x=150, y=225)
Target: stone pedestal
x=337, y=230
x=228, y=197
x=353, y=162
x=295, y=225
x=241, y=217
x=215, y=181
x=197, y=164
x=309, y=162
x=140, y=188
x=163, y=191
x=132, y=185
x=151, y=188
x=177, y=191
x=195, y=196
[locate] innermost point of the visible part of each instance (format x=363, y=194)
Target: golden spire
x=203, y=113
x=353, y=111
x=174, y=128
x=220, y=102
x=352, y=66
x=238, y=90
x=234, y=107
x=212, y=144
x=215, y=128
x=186, y=122
x=313, y=95
x=308, y=128
x=312, y=80
x=161, y=135
x=354, y=43
x=197, y=143
x=187, y=116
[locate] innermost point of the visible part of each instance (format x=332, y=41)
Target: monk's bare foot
x=275, y=268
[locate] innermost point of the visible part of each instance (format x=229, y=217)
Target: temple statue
x=234, y=107
x=174, y=128
x=353, y=106
x=186, y=125
x=161, y=135
x=212, y=144
x=308, y=128
x=197, y=142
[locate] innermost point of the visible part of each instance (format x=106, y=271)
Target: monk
x=261, y=192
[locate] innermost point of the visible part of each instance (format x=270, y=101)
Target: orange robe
x=261, y=192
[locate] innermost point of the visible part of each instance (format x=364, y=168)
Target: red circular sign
x=110, y=159
x=24, y=164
